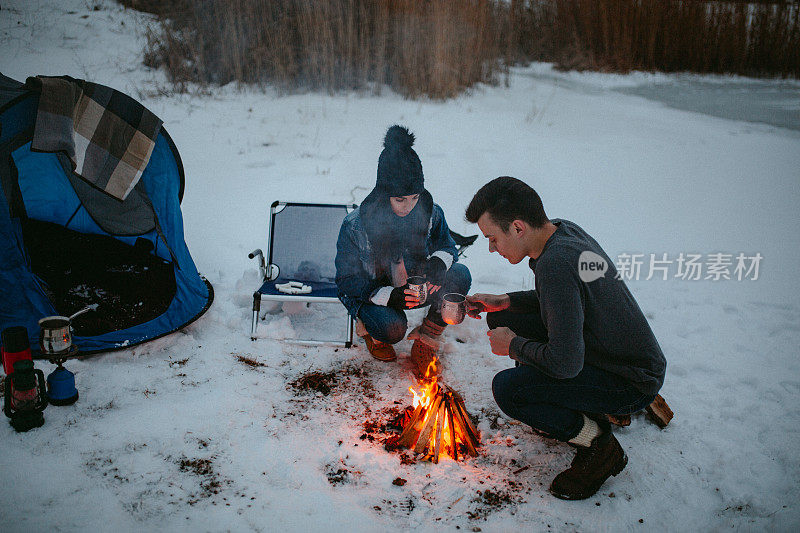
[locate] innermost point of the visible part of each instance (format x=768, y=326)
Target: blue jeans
x=555, y=406
x=388, y=324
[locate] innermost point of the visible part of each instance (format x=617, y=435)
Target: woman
x=397, y=232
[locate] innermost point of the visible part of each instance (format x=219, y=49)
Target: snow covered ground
x=182, y=434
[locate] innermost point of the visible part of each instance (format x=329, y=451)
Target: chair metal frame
x=271, y=272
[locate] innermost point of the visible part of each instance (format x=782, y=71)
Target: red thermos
x=16, y=347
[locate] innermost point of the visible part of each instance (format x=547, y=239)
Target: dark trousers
x=387, y=324
x=555, y=406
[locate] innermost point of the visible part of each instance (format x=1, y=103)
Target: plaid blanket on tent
x=106, y=134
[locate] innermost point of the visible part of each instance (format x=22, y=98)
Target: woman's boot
x=382, y=351
x=426, y=344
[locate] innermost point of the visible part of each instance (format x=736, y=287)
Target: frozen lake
x=773, y=103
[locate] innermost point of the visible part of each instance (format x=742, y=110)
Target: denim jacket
x=355, y=266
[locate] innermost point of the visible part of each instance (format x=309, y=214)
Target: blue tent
x=65, y=244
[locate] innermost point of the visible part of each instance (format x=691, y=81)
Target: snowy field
x=181, y=434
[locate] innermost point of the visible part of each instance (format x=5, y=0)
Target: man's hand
x=486, y=303
x=500, y=339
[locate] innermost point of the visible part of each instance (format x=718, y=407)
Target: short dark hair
x=507, y=199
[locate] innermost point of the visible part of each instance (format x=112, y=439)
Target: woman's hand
x=486, y=303
x=403, y=298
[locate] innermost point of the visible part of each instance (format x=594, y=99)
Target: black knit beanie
x=399, y=168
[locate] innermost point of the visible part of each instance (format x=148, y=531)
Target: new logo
x=591, y=266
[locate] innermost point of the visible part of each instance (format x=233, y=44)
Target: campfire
x=437, y=423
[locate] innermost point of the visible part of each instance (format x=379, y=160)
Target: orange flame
x=429, y=388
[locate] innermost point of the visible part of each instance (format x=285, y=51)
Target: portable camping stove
x=61, y=382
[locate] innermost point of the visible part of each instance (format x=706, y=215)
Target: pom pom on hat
x=398, y=137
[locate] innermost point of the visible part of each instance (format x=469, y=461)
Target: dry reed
x=439, y=48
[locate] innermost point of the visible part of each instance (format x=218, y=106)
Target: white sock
x=587, y=434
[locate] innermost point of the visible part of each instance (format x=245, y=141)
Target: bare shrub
x=438, y=48
x=435, y=48
x=759, y=39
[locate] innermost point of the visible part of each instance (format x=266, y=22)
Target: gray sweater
x=597, y=323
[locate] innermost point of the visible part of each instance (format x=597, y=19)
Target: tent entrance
x=130, y=285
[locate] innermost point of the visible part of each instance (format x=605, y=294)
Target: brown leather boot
x=382, y=351
x=423, y=351
x=422, y=355
x=619, y=420
x=590, y=468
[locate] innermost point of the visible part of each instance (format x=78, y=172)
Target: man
x=582, y=346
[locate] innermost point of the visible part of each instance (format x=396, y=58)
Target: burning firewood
x=439, y=423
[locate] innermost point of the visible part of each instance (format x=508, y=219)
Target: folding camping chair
x=302, y=249
x=462, y=242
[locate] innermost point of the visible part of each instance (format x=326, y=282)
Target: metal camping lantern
x=24, y=396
